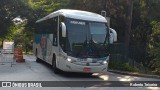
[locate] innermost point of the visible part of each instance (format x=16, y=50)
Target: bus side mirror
x=113, y=36
x=63, y=29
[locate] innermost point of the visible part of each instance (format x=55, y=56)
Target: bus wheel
x=89, y=74
x=55, y=69
x=37, y=59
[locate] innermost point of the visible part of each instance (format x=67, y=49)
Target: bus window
x=54, y=39
x=48, y=26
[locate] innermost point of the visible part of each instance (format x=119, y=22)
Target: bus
x=73, y=41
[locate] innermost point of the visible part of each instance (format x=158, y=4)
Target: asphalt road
x=30, y=70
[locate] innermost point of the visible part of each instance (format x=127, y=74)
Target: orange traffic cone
x=18, y=55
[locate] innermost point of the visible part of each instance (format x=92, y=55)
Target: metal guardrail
x=6, y=57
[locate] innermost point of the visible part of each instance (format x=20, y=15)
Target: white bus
x=73, y=41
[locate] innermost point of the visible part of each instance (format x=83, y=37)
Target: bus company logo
x=43, y=42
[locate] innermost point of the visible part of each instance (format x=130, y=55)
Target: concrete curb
x=134, y=74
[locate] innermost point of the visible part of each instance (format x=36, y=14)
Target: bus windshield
x=86, y=39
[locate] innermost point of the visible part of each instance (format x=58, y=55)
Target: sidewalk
x=134, y=74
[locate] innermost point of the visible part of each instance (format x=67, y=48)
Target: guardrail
x=6, y=56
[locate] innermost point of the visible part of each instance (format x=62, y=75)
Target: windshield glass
x=86, y=39
x=98, y=32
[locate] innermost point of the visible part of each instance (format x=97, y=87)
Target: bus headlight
x=69, y=60
x=105, y=62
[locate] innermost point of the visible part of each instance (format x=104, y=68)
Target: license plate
x=86, y=69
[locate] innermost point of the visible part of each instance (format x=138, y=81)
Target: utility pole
x=104, y=5
x=129, y=6
x=104, y=11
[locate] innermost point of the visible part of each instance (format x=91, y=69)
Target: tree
x=144, y=42
x=154, y=46
x=4, y=17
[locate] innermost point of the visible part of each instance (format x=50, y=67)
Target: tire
x=37, y=59
x=89, y=74
x=55, y=69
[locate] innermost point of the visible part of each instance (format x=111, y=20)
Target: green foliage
x=155, y=35
x=154, y=45
x=145, y=34
x=157, y=71
x=44, y=7
x=31, y=10
x=122, y=66
x=5, y=17
x=13, y=31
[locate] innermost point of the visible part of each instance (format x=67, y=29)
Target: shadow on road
x=69, y=74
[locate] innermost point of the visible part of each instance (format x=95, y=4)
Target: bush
x=122, y=66
x=157, y=71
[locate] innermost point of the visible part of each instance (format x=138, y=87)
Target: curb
x=135, y=74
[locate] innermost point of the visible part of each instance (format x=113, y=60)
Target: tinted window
x=47, y=26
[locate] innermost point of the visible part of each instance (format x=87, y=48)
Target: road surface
x=30, y=70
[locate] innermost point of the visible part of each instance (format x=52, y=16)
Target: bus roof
x=75, y=14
